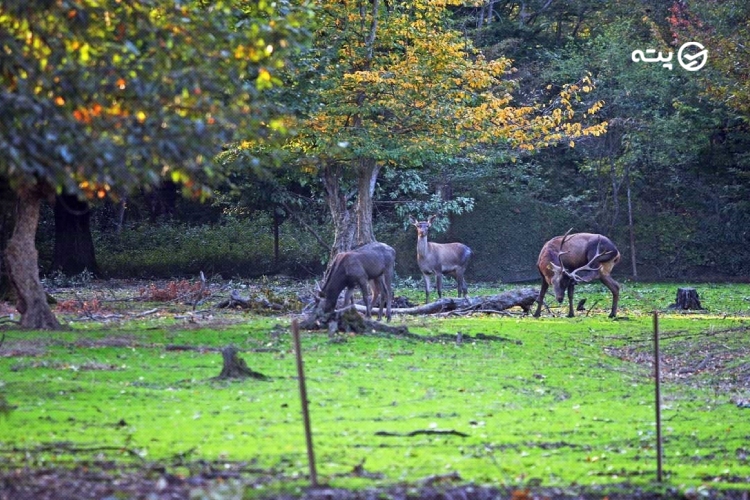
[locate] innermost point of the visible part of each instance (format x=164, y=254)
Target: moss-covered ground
x=553, y=401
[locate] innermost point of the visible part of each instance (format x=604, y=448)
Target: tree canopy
x=100, y=97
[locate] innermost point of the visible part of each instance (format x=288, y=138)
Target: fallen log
x=521, y=297
x=236, y=301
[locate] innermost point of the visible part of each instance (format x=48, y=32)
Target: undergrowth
x=233, y=247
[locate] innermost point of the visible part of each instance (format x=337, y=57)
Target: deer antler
x=574, y=273
x=564, y=237
x=561, y=267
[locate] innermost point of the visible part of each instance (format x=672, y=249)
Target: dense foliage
x=108, y=96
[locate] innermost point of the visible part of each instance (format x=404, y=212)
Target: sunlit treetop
x=399, y=87
x=101, y=96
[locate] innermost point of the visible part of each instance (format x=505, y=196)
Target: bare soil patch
x=714, y=359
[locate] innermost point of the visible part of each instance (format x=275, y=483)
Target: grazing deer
x=439, y=259
x=577, y=258
x=372, y=262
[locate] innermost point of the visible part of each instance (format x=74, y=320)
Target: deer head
x=422, y=226
x=560, y=280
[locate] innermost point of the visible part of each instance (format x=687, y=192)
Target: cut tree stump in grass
x=235, y=367
x=687, y=299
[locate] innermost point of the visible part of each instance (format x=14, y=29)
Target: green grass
x=555, y=400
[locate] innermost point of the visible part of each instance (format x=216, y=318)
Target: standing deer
x=577, y=258
x=372, y=262
x=439, y=259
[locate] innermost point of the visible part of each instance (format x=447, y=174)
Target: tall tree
x=392, y=86
x=101, y=97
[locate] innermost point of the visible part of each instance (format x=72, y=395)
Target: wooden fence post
x=657, y=385
x=305, y=410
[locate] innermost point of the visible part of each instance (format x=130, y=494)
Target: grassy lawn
x=552, y=401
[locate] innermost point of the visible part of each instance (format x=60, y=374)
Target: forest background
x=669, y=182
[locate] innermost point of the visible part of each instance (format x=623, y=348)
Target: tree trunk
x=23, y=263
x=368, y=175
x=74, y=247
x=7, y=206
x=277, y=220
x=631, y=229
x=338, y=204
x=162, y=200
x=352, y=222
x=120, y=218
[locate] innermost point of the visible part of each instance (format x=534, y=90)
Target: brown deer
x=439, y=259
x=372, y=262
x=576, y=258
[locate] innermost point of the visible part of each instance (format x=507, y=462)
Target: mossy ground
x=553, y=401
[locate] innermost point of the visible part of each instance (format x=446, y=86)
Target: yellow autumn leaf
x=264, y=79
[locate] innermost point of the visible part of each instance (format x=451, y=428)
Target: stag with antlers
x=576, y=258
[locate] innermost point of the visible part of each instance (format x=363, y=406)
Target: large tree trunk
x=338, y=204
x=368, y=171
x=7, y=209
x=162, y=201
x=352, y=221
x=23, y=264
x=74, y=247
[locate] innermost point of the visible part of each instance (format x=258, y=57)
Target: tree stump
x=235, y=367
x=687, y=298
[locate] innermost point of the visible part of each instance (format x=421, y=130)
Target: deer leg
x=366, y=296
x=349, y=297
x=462, y=288
x=614, y=287
x=439, y=284
x=377, y=293
x=426, y=288
x=387, y=283
x=540, y=300
x=571, y=286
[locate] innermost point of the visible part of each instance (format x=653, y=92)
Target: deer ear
x=412, y=220
x=432, y=218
